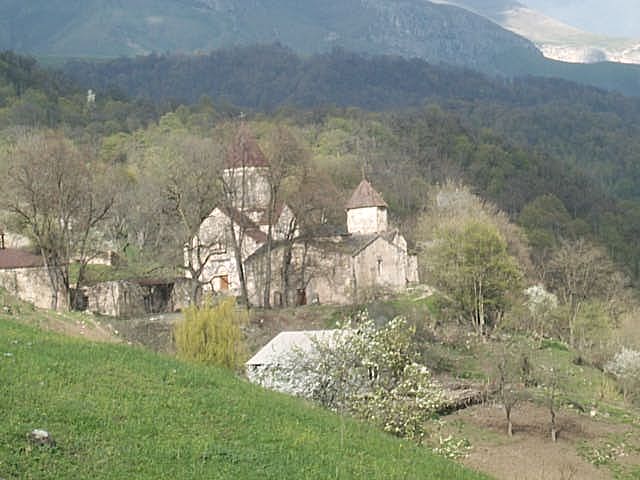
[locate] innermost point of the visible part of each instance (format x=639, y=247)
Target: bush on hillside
x=625, y=366
x=212, y=334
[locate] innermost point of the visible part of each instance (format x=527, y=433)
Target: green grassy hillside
x=121, y=413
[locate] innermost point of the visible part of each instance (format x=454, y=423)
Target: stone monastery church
x=368, y=259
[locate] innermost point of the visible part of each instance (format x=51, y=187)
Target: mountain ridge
x=409, y=28
x=555, y=39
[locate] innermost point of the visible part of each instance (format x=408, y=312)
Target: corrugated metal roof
x=365, y=196
x=17, y=258
x=286, y=343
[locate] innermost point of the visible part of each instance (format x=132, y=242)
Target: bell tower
x=366, y=211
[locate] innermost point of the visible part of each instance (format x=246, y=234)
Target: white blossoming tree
x=625, y=366
x=371, y=373
x=541, y=305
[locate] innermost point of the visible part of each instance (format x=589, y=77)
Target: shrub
x=212, y=334
x=625, y=366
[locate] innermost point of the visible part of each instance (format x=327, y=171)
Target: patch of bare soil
x=530, y=454
x=82, y=326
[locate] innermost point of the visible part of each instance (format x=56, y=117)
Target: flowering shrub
x=625, y=366
x=369, y=372
x=404, y=409
x=452, y=448
x=541, y=305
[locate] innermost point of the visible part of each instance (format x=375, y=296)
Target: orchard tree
x=511, y=375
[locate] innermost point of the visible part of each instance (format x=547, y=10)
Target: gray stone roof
x=343, y=244
x=365, y=196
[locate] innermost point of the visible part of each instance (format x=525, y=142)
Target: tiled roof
x=343, y=244
x=365, y=196
x=16, y=258
x=244, y=151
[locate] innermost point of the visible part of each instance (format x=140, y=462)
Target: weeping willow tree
x=212, y=334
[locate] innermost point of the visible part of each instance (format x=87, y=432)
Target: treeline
x=265, y=77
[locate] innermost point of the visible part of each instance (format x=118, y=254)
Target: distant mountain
x=108, y=28
x=409, y=28
x=555, y=39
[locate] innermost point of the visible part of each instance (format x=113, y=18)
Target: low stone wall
x=28, y=284
x=130, y=298
x=181, y=294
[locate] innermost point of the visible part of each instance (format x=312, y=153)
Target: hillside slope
x=121, y=413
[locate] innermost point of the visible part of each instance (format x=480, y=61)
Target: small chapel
x=366, y=260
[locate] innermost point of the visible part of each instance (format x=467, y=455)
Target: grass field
x=118, y=412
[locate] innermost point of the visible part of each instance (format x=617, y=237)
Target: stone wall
x=381, y=265
x=367, y=220
x=28, y=284
x=252, y=182
x=324, y=276
x=125, y=298
x=116, y=299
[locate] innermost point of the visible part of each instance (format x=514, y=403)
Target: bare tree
x=579, y=272
x=190, y=195
x=285, y=155
x=510, y=385
x=57, y=195
x=235, y=183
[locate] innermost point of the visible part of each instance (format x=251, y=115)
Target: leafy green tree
x=469, y=263
x=546, y=221
x=213, y=334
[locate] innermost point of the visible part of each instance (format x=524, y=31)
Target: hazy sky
x=610, y=17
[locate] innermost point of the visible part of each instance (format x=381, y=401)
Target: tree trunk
x=237, y=251
x=287, y=255
x=267, y=276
